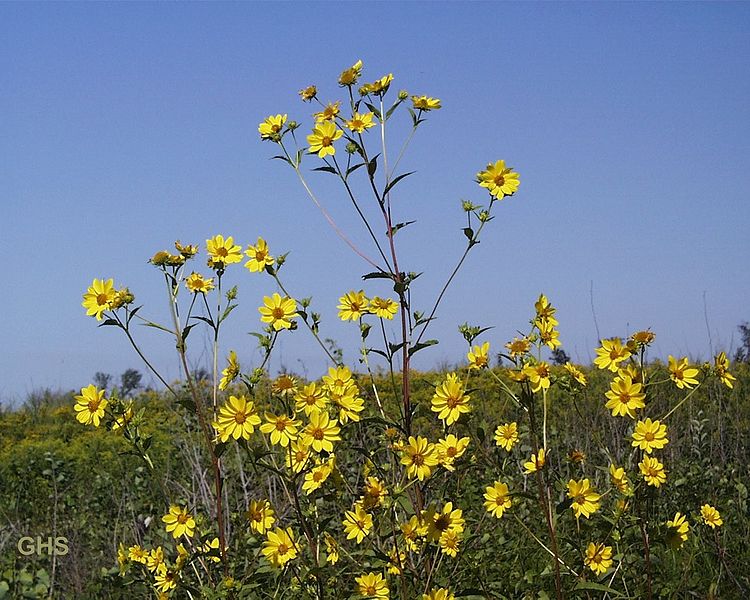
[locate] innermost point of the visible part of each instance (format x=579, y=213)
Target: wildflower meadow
x=515, y=474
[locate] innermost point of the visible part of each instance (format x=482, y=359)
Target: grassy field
x=59, y=478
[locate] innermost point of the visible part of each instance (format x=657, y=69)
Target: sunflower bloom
x=610, y=354
x=359, y=123
x=539, y=376
x=585, y=499
x=711, y=516
x=353, y=305
x=375, y=493
x=653, y=471
x=447, y=519
x=310, y=398
x=439, y=594
x=278, y=311
x=598, y=558
x=383, y=308
x=309, y=93
x=650, y=435
x=518, y=347
x=321, y=432
x=279, y=547
x=237, y=419
x=499, y=180
x=322, y=138
x=497, y=499
x=261, y=516
x=198, y=284
x=506, y=435
x=625, y=397
x=222, y=252
x=138, y=554
x=349, y=76
x=449, y=400
x=271, y=128
x=98, y=297
x=90, y=405
x=259, y=256
x=284, y=385
x=677, y=531
x=536, y=462
x=283, y=429
x=298, y=457
x=619, y=479
x=179, y=522
x=721, y=368
x=231, y=372
x=317, y=476
x=425, y=103
x=449, y=543
x=575, y=373
x=451, y=448
x=338, y=378
x=478, y=356
x=357, y=523
x=165, y=579
x=372, y=585
x=682, y=373
x=419, y=457
x=332, y=548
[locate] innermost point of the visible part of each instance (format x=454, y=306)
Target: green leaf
x=326, y=169
x=377, y=275
x=391, y=109
x=351, y=170
x=226, y=312
x=186, y=331
x=157, y=326
x=395, y=181
x=421, y=345
x=372, y=165
x=398, y=226
x=469, y=233
x=373, y=109
x=132, y=313
x=109, y=322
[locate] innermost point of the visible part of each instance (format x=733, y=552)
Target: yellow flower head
x=357, y=523
x=619, y=479
x=98, y=298
x=375, y=493
x=321, y=432
x=506, y=435
x=497, y=499
x=280, y=547
x=165, y=579
x=585, y=499
x=317, y=476
x=518, y=347
x=451, y=448
x=677, y=532
x=478, y=356
x=329, y=112
x=90, y=405
x=272, y=127
x=539, y=375
x=350, y=76
x=419, y=456
x=231, y=372
x=298, y=457
x=610, y=354
x=536, y=462
x=650, y=435
x=186, y=250
x=378, y=87
x=499, y=180
x=338, y=378
x=721, y=368
x=222, y=252
x=179, y=522
x=237, y=419
x=284, y=385
x=309, y=93
x=440, y=522
x=332, y=548
x=197, y=283
x=372, y=585
x=278, y=311
x=439, y=594
x=353, y=305
x=384, y=308
x=283, y=429
x=653, y=471
x=396, y=561
x=322, y=138
x=310, y=398
x=449, y=400
x=625, y=397
x=575, y=373
x=261, y=516
x=598, y=558
x=643, y=338
x=711, y=516
x=259, y=256
x=360, y=122
x=548, y=335
x=138, y=554
x=211, y=548
x=682, y=373
x=425, y=103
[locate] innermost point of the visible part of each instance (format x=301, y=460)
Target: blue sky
x=127, y=126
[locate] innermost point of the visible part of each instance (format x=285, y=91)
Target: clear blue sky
x=127, y=126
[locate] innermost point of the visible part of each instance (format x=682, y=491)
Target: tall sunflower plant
x=346, y=487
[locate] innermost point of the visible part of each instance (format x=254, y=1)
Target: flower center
x=182, y=519
x=281, y=424
x=326, y=141
x=283, y=549
x=277, y=313
x=418, y=460
x=499, y=180
x=93, y=405
x=318, y=433
x=223, y=252
x=649, y=436
x=371, y=591
x=240, y=417
x=452, y=401
x=260, y=255
x=275, y=128
x=452, y=451
x=442, y=522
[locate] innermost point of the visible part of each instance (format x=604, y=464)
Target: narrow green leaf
x=421, y=345
x=326, y=169
x=398, y=226
x=395, y=181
